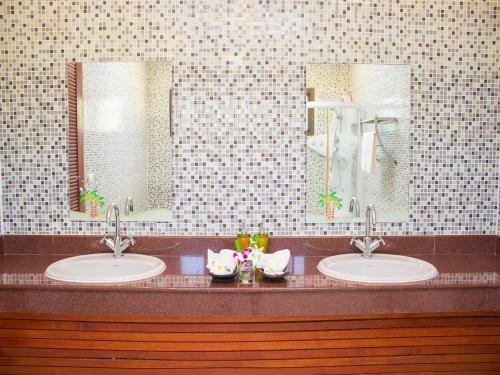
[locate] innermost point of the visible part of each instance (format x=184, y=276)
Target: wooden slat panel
x=243, y=345
x=72, y=138
x=254, y=336
x=454, y=372
x=287, y=363
x=468, y=368
x=455, y=343
x=241, y=319
x=253, y=355
x=248, y=327
x=75, y=140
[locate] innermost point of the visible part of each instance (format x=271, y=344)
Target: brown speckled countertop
x=465, y=283
x=188, y=273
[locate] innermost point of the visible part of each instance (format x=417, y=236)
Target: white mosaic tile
x=239, y=105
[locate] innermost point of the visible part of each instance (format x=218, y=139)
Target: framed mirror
x=120, y=140
x=357, y=141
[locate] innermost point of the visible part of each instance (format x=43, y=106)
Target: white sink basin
x=380, y=268
x=105, y=268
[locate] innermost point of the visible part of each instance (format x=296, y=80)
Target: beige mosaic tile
x=239, y=98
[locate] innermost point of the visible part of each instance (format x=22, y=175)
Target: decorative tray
x=224, y=277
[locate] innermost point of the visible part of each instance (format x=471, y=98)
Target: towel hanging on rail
x=377, y=121
x=368, y=152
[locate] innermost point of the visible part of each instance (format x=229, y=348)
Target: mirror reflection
x=120, y=140
x=358, y=130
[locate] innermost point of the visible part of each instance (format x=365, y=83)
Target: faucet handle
x=131, y=240
x=353, y=238
x=381, y=240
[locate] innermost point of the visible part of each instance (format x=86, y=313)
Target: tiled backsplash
x=239, y=105
x=158, y=137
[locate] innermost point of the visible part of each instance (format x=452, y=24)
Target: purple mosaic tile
x=239, y=106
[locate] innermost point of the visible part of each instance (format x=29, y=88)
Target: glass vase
x=246, y=271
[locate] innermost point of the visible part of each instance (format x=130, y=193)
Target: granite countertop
x=465, y=283
x=188, y=273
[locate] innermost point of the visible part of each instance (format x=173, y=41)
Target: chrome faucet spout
x=371, y=218
x=354, y=206
x=113, y=209
x=368, y=245
x=129, y=206
x=116, y=243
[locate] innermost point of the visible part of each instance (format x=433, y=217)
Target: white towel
x=368, y=153
x=275, y=263
x=221, y=263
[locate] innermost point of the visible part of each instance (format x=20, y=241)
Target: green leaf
x=322, y=200
x=330, y=198
x=238, y=246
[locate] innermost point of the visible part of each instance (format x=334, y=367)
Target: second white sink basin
x=105, y=268
x=380, y=268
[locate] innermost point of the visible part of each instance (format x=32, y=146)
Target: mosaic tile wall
x=1, y=205
x=115, y=128
x=239, y=96
x=159, y=76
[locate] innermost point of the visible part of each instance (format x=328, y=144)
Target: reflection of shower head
x=338, y=114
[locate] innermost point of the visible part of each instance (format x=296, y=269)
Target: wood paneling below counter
x=390, y=343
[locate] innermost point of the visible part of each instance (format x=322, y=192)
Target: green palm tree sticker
x=91, y=196
x=332, y=198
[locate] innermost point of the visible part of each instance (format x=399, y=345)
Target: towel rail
x=377, y=121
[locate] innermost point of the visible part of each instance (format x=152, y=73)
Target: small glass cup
x=246, y=271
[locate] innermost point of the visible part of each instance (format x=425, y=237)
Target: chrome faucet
x=129, y=206
x=115, y=243
x=367, y=245
x=354, y=206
